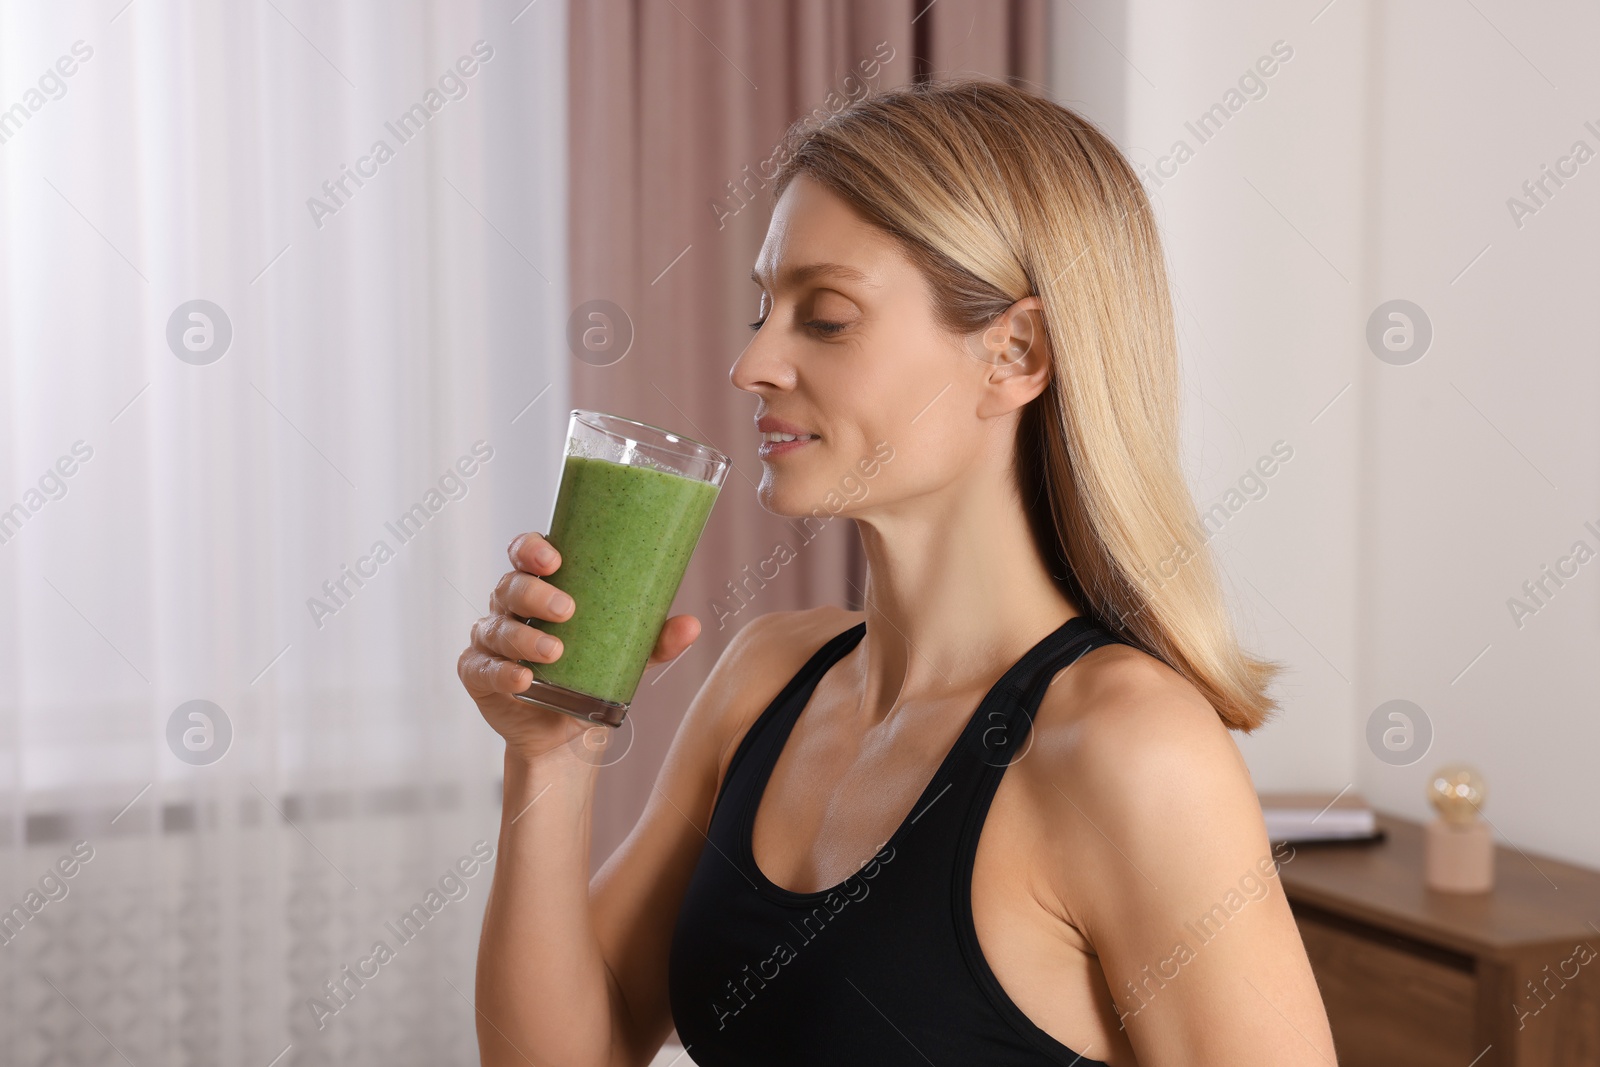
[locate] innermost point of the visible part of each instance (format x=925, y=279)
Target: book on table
x=1342, y=816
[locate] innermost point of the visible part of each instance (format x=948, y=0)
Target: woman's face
x=849, y=351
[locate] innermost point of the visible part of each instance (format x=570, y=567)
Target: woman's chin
x=780, y=495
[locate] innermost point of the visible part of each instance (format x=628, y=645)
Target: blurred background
x=295, y=299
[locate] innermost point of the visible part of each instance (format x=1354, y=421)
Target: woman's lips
x=770, y=447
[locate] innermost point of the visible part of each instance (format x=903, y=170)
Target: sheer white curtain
x=282, y=367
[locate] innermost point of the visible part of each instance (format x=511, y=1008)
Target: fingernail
x=560, y=603
x=547, y=645
x=546, y=556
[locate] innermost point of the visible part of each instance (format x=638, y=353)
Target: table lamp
x=1458, y=849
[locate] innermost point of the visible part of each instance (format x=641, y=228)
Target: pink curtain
x=674, y=106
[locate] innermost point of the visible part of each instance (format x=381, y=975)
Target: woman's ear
x=1016, y=353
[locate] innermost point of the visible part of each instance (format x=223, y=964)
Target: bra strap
x=1002, y=736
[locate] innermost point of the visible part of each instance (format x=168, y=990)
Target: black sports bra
x=883, y=968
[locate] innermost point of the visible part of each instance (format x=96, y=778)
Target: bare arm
x=568, y=972
x=1166, y=868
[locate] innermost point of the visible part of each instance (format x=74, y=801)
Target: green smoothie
x=625, y=534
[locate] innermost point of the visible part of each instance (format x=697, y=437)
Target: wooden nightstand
x=1416, y=978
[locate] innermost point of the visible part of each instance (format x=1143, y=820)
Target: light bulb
x=1457, y=792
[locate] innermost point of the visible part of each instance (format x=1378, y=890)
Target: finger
x=483, y=674
x=525, y=596
x=677, y=634
x=502, y=635
x=531, y=553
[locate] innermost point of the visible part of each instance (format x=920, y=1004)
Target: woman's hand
x=489, y=668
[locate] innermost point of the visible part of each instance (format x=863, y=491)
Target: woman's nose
x=761, y=366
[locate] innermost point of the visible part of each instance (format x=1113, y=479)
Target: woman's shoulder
x=1139, y=744
x=1133, y=775
x=799, y=632
x=1140, y=829
x=1118, y=702
x=761, y=658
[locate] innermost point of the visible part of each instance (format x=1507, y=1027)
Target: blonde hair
x=997, y=194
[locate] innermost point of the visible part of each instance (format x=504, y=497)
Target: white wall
x=1481, y=458
x=1259, y=318
x=1378, y=564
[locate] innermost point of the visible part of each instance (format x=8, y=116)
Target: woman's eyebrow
x=799, y=275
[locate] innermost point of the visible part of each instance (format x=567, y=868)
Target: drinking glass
x=629, y=510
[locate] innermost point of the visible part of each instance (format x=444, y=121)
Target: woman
x=996, y=817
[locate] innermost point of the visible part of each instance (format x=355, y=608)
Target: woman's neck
x=956, y=592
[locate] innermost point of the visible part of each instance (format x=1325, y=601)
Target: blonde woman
x=997, y=816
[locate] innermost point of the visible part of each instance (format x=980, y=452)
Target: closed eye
x=822, y=327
